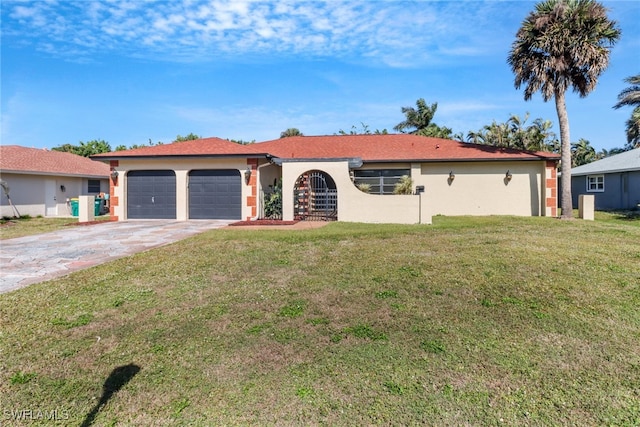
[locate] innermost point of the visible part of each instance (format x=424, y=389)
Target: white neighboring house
x=614, y=181
x=41, y=181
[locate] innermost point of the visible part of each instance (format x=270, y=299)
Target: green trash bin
x=74, y=207
x=97, y=204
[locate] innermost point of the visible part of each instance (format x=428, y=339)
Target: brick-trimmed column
x=252, y=198
x=551, y=189
x=113, y=183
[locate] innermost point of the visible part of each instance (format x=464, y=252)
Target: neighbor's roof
x=623, y=162
x=38, y=161
x=369, y=148
x=191, y=148
x=391, y=148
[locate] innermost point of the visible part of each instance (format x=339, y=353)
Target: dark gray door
x=215, y=194
x=151, y=194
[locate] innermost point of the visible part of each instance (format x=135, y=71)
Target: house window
x=382, y=181
x=595, y=183
x=94, y=186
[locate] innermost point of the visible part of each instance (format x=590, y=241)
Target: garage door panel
x=151, y=194
x=215, y=194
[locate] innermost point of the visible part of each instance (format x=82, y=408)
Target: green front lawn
x=469, y=321
x=28, y=226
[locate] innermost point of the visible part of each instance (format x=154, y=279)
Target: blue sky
x=133, y=71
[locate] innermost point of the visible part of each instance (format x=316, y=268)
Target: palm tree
x=562, y=44
x=291, y=132
x=582, y=152
x=633, y=129
x=517, y=132
x=476, y=137
x=419, y=121
x=514, y=133
x=539, y=136
x=631, y=97
x=497, y=134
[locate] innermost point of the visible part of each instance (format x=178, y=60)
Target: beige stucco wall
x=30, y=193
x=181, y=167
x=268, y=174
x=480, y=188
x=353, y=204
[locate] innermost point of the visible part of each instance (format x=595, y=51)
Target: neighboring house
x=213, y=178
x=614, y=181
x=41, y=181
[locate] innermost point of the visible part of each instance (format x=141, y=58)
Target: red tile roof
x=369, y=148
x=14, y=158
x=392, y=147
x=197, y=147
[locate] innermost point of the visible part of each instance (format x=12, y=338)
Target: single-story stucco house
x=613, y=181
x=321, y=177
x=41, y=181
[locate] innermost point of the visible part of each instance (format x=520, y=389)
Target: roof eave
x=457, y=159
x=182, y=156
x=603, y=172
x=46, y=173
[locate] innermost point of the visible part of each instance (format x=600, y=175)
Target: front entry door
x=50, y=200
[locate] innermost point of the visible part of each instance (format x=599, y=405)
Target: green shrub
x=404, y=186
x=273, y=202
x=365, y=188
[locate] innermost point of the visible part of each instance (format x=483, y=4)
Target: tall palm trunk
x=565, y=155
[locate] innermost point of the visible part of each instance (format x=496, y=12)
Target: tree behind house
x=514, y=133
x=582, y=153
x=362, y=131
x=418, y=121
x=631, y=97
x=562, y=44
x=85, y=149
x=191, y=137
x=290, y=132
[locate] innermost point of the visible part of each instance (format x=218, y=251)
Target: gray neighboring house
x=614, y=181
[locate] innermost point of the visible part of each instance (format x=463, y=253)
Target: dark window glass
x=382, y=181
x=94, y=186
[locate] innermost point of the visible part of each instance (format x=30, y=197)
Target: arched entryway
x=315, y=197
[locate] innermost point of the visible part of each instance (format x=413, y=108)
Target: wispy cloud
x=266, y=123
x=389, y=32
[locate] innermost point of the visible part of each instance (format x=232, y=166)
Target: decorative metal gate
x=315, y=197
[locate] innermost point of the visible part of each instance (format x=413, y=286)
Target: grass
x=469, y=321
x=27, y=226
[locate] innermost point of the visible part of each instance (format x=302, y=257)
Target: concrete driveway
x=33, y=259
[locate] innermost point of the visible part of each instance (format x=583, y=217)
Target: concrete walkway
x=33, y=259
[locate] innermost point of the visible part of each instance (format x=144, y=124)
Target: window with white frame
x=595, y=183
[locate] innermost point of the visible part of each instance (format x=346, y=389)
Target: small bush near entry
x=404, y=185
